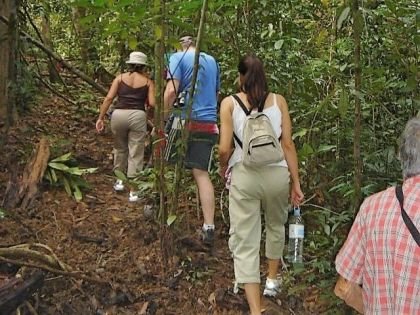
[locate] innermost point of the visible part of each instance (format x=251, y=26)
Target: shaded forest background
x=348, y=69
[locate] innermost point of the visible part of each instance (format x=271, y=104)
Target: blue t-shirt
x=181, y=66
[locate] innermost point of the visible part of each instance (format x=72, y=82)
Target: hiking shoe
x=118, y=186
x=237, y=287
x=133, y=196
x=208, y=236
x=272, y=287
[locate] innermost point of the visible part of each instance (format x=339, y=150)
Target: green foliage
x=325, y=231
x=2, y=213
x=25, y=91
x=62, y=171
x=194, y=272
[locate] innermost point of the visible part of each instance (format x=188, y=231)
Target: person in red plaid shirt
x=379, y=264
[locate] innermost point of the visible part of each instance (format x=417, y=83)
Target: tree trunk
x=185, y=132
x=77, y=14
x=4, y=65
x=13, y=53
x=8, y=53
x=46, y=38
x=158, y=114
x=357, y=31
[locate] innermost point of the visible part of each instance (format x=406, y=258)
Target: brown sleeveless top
x=131, y=98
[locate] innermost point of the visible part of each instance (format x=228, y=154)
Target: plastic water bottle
x=296, y=235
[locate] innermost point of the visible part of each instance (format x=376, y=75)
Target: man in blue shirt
x=203, y=130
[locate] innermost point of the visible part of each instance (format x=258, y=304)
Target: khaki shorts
x=199, y=151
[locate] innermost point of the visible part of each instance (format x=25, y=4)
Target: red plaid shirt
x=381, y=254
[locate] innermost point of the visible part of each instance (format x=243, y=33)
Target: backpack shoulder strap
x=410, y=225
x=237, y=140
x=246, y=110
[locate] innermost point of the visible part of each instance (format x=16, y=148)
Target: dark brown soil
x=106, y=237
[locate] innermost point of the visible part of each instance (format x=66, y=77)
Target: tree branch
x=77, y=72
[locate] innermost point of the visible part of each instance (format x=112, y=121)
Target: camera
x=180, y=100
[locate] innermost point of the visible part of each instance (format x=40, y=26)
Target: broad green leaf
x=302, y=132
x=90, y=170
x=53, y=175
x=343, y=16
x=64, y=158
x=47, y=175
x=327, y=229
x=67, y=186
x=326, y=148
x=77, y=193
x=75, y=171
x=58, y=166
x=120, y=175
x=306, y=150
x=279, y=44
x=171, y=219
x=81, y=171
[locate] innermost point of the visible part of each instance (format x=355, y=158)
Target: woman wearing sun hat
x=135, y=91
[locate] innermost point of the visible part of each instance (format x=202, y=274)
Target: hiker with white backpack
x=258, y=156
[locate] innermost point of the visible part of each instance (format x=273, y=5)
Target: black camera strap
x=410, y=225
x=171, y=76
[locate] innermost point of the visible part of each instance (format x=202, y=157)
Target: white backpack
x=259, y=143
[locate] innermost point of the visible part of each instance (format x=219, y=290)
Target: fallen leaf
x=200, y=302
x=116, y=219
x=212, y=299
x=144, y=308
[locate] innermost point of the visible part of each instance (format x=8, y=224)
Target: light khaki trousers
x=254, y=190
x=129, y=129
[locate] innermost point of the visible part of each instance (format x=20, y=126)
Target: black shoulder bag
x=410, y=225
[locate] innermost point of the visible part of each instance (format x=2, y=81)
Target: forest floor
x=109, y=238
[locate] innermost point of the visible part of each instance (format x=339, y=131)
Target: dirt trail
x=106, y=236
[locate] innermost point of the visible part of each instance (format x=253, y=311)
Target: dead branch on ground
x=73, y=274
x=11, y=298
x=22, y=192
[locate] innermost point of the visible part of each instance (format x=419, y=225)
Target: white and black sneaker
x=272, y=287
x=118, y=185
x=133, y=196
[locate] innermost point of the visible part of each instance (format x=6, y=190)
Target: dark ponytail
x=254, y=81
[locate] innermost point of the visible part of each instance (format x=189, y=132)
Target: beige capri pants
x=253, y=190
x=129, y=127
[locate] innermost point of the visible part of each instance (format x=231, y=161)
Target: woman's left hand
x=222, y=172
x=99, y=125
x=296, y=194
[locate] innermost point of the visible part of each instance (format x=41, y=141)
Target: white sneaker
x=272, y=287
x=237, y=286
x=118, y=186
x=133, y=196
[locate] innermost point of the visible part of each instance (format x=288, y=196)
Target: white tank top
x=273, y=112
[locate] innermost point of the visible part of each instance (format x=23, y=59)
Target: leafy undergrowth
x=106, y=236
